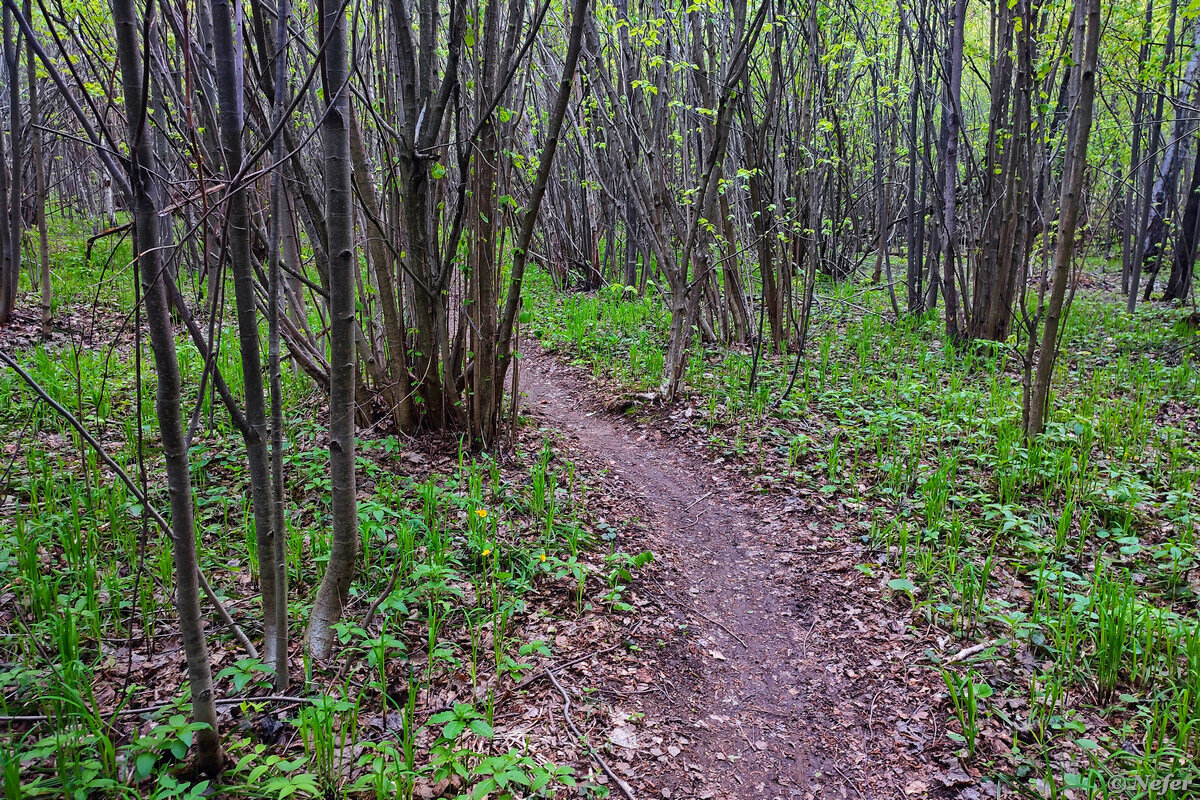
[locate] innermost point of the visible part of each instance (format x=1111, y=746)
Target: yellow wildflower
x=487, y=552
x=482, y=512
x=543, y=558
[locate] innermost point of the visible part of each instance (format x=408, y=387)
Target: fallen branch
x=702, y=615
x=967, y=652
x=222, y=612
x=625, y=789
x=129, y=712
x=849, y=782
x=697, y=500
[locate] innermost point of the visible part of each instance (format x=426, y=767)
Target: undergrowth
x=470, y=568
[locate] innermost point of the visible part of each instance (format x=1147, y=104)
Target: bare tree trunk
x=512, y=303
x=737, y=308
x=7, y=300
x=424, y=108
x=12, y=267
x=952, y=122
x=762, y=220
x=343, y=266
x=227, y=28
x=167, y=400
x=483, y=404
x=39, y=182
x=1006, y=174
x=398, y=393
x=685, y=296
x=1087, y=39
x=281, y=218
x=917, y=183
x=1179, y=284
x=1142, y=240
x=1129, y=233
x=1163, y=195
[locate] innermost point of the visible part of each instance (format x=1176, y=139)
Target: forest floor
x=775, y=669
x=844, y=549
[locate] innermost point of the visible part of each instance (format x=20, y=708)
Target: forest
x=593, y=398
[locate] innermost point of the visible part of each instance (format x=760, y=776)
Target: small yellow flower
x=487, y=552
x=482, y=512
x=543, y=558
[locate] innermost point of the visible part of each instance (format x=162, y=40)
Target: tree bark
x=167, y=399
x=46, y=291
x=952, y=123
x=512, y=303
x=483, y=405
x=1006, y=175
x=1087, y=38
x=1157, y=212
x=11, y=273
x=1129, y=233
x=335, y=129
x=1179, y=284
x=227, y=27
x=280, y=219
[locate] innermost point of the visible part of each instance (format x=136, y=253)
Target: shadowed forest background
x=896, y=298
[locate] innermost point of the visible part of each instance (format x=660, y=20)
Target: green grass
x=465, y=562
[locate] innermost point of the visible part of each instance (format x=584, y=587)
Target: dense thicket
x=720, y=156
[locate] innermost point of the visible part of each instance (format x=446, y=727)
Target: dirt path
x=772, y=668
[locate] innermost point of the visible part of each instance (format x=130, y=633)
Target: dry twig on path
x=849, y=783
x=701, y=614
x=624, y=787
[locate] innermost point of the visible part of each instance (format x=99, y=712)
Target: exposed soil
x=770, y=666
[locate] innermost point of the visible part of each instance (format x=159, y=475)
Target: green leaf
x=453, y=729
x=144, y=764
x=481, y=728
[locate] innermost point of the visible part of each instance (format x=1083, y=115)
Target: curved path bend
x=771, y=667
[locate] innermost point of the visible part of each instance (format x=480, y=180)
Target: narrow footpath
x=772, y=667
